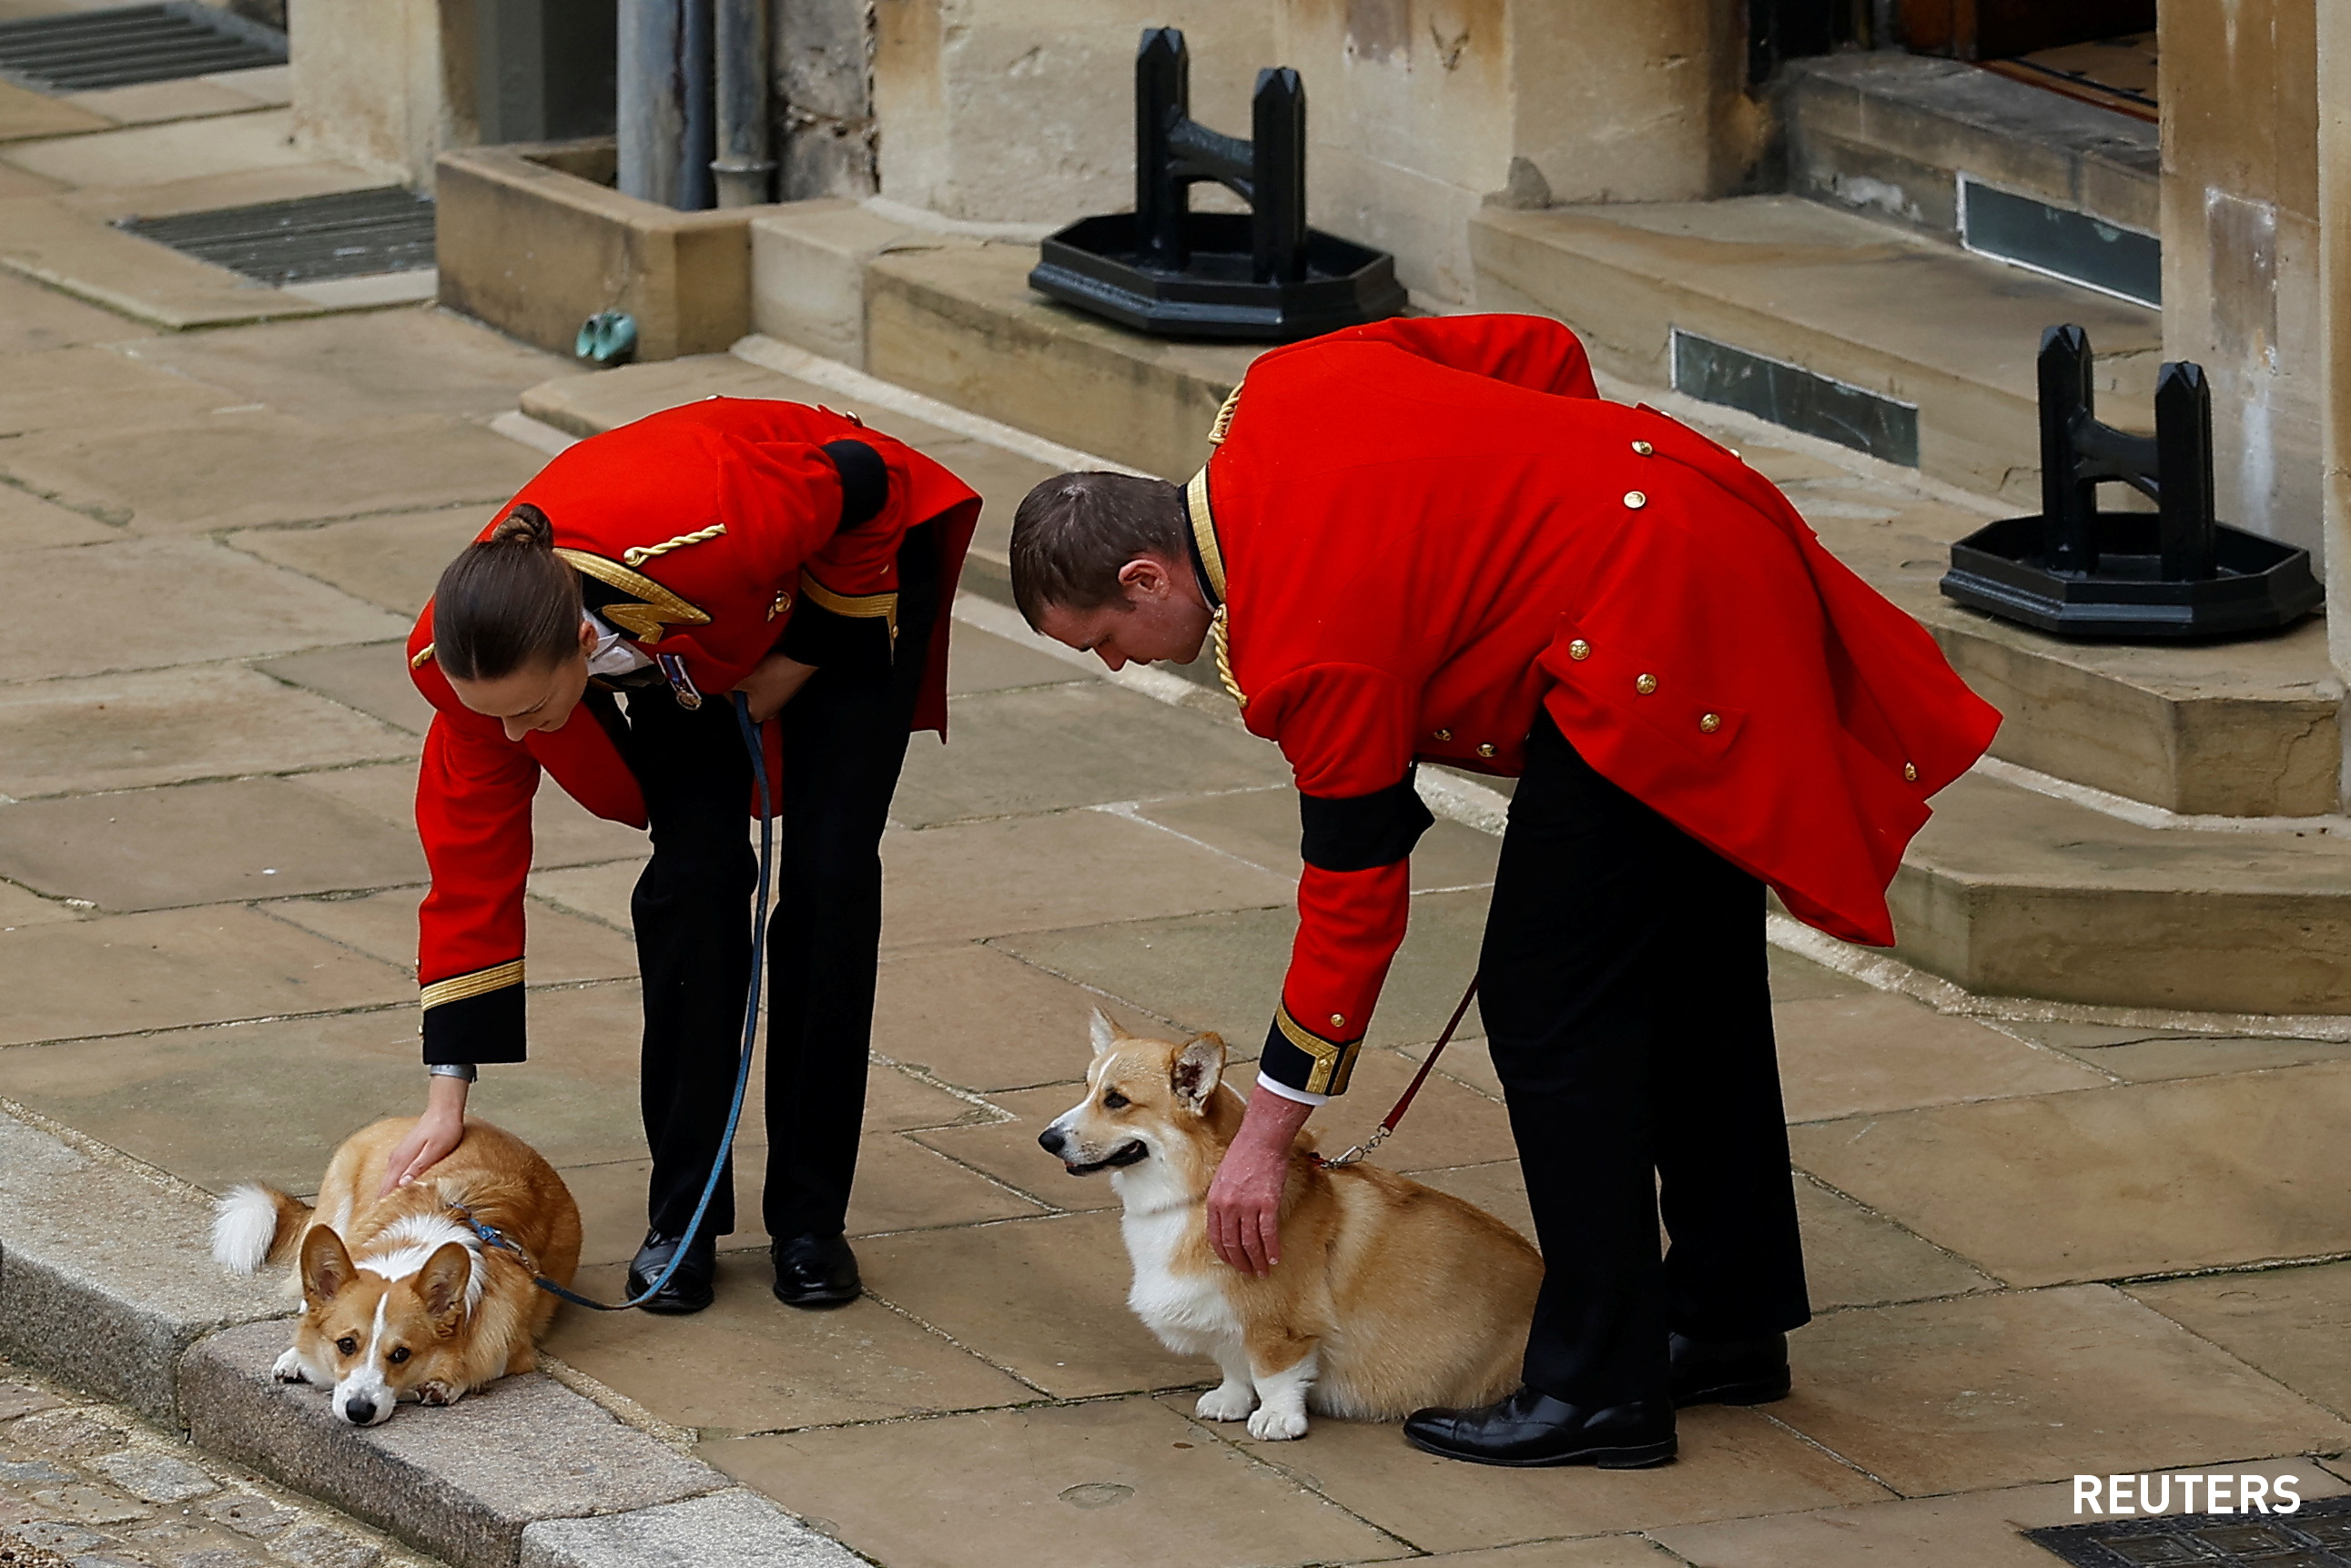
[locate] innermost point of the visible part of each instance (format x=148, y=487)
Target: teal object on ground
x=607, y=338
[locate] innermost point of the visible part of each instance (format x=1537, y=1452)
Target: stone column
x=2335, y=316
x=385, y=84
x=1419, y=111
x=2240, y=247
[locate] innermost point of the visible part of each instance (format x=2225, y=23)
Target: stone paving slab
x=241, y=470
x=2002, y=1388
x=732, y=1529
x=462, y=1481
x=164, y=726
x=62, y=388
x=34, y=318
x=1114, y=1481
x=25, y=114
x=750, y=1363
x=1262, y=827
x=2292, y=1324
x=563, y=948
x=167, y=601
x=1973, y=1529
x=1850, y=1055
x=373, y=365
x=393, y=561
x=105, y=1271
x=201, y=843
x=981, y=1019
x=1051, y=748
x=2140, y=1179
x=44, y=239
x=152, y=153
x=371, y=677
x=178, y=966
x=1732, y=1462
x=29, y=523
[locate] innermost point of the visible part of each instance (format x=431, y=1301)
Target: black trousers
x=844, y=739
x=1628, y=1008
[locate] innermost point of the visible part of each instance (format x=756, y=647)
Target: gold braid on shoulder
x=1225, y=656
x=637, y=555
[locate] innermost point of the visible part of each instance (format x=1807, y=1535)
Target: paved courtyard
x=2034, y=1250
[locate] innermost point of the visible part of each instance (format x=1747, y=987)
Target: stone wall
x=385, y=84
x=2240, y=247
x=1420, y=111
x=1023, y=111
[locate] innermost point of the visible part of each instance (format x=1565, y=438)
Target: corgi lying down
x=401, y=1298
x=1390, y=1296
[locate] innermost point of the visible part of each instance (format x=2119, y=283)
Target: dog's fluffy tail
x=252, y=1225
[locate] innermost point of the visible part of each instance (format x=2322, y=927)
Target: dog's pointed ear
x=325, y=1264
x=1104, y=1032
x=441, y=1283
x=1199, y=1066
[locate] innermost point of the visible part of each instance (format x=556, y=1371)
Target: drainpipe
x=664, y=101
x=650, y=112
x=695, y=153
x=743, y=168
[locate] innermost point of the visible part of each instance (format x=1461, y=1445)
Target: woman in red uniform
x=596, y=631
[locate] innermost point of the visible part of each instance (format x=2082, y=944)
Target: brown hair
x=506, y=602
x=1075, y=532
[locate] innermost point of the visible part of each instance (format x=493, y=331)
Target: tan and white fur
x=401, y=1298
x=1390, y=1296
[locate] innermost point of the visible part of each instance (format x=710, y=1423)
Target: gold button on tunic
x=1578, y=649
x=1634, y=499
x=1486, y=748
x=1443, y=735
x=1710, y=722
x=1338, y=1020
x=1645, y=685
x=1910, y=771
x=1643, y=447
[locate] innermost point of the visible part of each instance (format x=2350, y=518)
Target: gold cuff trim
x=1334, y=1061
x=457, y=989
x=1225, y=417
x=647, y=622
x=637, y=555
x=859, y=606
x=421, y=659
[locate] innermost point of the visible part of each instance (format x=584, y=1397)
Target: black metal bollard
x=2079, y=572
x=1169, y=271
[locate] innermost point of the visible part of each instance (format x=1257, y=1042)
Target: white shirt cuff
x=1303, y=1096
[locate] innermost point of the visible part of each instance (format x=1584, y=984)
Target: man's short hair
x=1075, y=532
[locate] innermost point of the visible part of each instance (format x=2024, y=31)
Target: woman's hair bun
x=525, y=525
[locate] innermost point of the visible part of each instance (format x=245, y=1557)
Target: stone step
x=1845, y=327
x=2009, y=892
x=1895, y=135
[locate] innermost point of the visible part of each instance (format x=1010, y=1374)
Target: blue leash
x=494, y=1237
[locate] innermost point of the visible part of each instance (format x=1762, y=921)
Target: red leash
x=1420, y=1077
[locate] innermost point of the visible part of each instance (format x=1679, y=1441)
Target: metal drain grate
x=2315, y=1535
x=81, y=50
x=345, y=236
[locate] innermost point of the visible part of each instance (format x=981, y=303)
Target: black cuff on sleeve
x=1324, y=1070
x=1364, y=832
x=478, y=1028
x=864, y=480
x=832, y=641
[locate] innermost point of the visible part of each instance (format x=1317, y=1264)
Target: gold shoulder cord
x=1224, y=657
x=637, y=555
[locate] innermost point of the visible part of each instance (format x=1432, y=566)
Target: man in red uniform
x=1431, y=541
x=732, y=543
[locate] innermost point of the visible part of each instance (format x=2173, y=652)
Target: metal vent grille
x=81, y=50
x=346, y=236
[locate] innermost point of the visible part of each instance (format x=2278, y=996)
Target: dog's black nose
x=358, y=1412
x=1049, y=1139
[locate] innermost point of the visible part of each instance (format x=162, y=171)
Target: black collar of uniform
x=1200, y=540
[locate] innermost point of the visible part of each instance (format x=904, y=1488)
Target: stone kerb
x=106, y=1274
x=735, y=1529
x=464, y=1482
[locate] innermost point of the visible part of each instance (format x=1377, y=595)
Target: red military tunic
x=705, y=535
x=1422, y=530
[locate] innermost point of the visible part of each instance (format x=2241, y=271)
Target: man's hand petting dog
x=1245, y=1200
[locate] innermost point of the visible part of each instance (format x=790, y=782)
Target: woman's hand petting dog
x=434, y=1137
x=1245, y=1200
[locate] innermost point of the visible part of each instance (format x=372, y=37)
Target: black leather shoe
x=688, y=1290
x=1729, y=1371
x=816, y=1272
x=1531, y=1428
